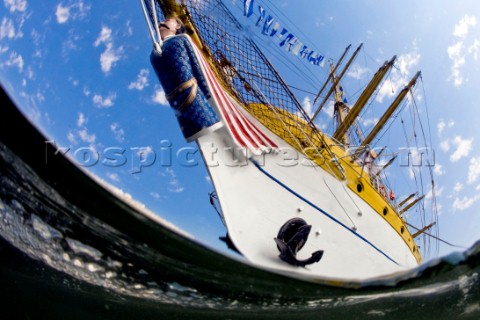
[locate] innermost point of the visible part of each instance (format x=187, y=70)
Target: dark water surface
x=69, y=249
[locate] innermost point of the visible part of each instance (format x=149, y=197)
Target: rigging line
x=307, y=69
x=286, y=62
x=300, y=109
x=293, y=24
x=304, y=65
x=302, y=112
x=150, y=29
x=340, y=203
x=437, y=238
x=213, y=196
x=409, y=146
x=421, y=179
x=291, y=66
x=417, y=145
x=302, y=90
x=387, y=128
x=429, y=164
x=159, y=41
x=269, y=104
x=426, y=110
x=306, y=136
x=283, y=53
x=350, y=196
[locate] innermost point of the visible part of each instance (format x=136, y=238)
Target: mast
x=338, y=80
x=383, y=120
x=332, y=73
x=363, y=99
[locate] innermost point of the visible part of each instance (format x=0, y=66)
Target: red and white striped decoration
x=243, y=131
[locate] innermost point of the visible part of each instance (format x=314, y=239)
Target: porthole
x=385, y=211
x=414, y=249
x=359, y=187
x=402, y=229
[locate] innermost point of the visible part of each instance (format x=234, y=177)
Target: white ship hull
x=258, y=195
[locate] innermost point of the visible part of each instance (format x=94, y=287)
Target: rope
x=157, y=45
x=437, y=238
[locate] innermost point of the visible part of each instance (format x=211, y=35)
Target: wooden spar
x=334, y=84
x=332, y=72
x=419, y=232
x=410, y=205
x=383, y=120
x=363, y=99
x=385, y=166
x=407, y=199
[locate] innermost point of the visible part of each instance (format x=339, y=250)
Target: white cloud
x=75, y=11
x=141, y=82
x=474, y=49
x=445, y=145
x=81, y=119
x=399, y=77
x=7, y=30
x=329, y=109
x=175, y=185
x=458, y=187
x=113, y=177
x=104, y=102
x=463, y=148
x=104, y=37
x=407, y=61
x=159, y=97
x=438, y=169
x=357, y=72
x=15, y=60
x=464, y=203
x=307, y=106
x=461, y=29
x=16, y=5
x=473, y=170
x=86, y=137
x=62, y=13
x=155, y=195
x=118, y=132
x=370, y=122
x=458, y=51
x=72, y=138
x=455, y=53
x=438, y=193
x=86, y=91
x=442, y=125
x=111, y=55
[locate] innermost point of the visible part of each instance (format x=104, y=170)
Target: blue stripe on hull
x=319, y=209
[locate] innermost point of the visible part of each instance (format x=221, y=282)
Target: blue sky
x=80, y=70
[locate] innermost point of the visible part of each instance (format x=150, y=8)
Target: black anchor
x=291, y=238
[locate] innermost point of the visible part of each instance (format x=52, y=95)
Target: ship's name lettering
x=280, y=35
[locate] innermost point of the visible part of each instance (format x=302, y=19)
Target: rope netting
x=245, y=72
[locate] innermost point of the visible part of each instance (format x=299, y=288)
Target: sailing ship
x=295, y=199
